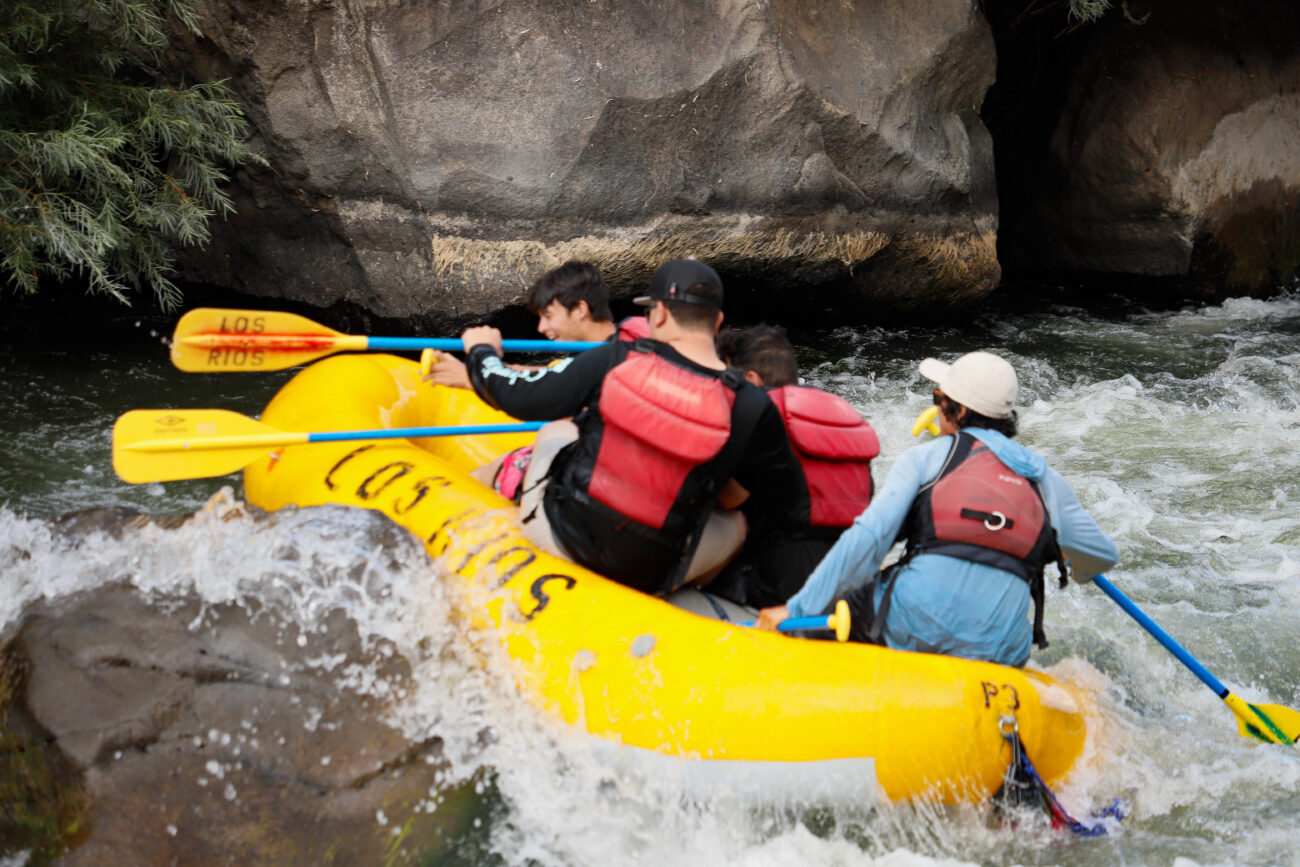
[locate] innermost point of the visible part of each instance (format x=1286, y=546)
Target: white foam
x=1177, y=430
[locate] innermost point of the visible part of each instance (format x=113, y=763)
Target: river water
x=1178, y=429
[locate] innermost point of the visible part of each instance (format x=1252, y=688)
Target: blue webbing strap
x=1022, y=785
x=717, y=608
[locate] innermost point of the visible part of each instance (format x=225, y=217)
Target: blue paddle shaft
x=404, y=432
x=1160, y=635
x=793, y=624
x=453, y=344
x=790, y=624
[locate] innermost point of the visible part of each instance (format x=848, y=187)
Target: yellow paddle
x=164, y=445
x=1271, y=723
x=209, y=339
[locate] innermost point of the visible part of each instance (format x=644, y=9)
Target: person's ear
x=717, y=326
x=658, y=314
x=581, y=310
x=752, y=377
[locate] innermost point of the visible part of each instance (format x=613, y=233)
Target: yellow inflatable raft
x=635, y=670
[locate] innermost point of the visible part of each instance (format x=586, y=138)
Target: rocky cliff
x=1176, y=155
x=429, y=159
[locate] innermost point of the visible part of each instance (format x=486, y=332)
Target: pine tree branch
x=104, y=167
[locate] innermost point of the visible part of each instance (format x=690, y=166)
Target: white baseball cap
x=982, y=381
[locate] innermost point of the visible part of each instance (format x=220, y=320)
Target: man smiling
x=571, y=303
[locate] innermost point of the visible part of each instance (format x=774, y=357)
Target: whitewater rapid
x=1178, y=429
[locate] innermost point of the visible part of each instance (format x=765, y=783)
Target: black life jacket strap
x=678, y=578
x=992, y=520
x=1036, y=593
x=732, y=377
x=875, y=635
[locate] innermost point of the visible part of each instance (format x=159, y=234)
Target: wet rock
x=1175, y=155
x=170, y=732
x=113, y=521
x=430, y=160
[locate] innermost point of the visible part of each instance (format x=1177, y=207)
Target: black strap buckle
x=992, y=520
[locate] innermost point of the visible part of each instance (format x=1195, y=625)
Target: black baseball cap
x=686, y=280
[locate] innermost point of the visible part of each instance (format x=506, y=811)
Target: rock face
x=1176, y=152
x=431, y=159
x=180, y=733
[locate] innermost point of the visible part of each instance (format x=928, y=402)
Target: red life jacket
x=977, y=509
x=660, y=422
x=834, y=446
x=633, y=328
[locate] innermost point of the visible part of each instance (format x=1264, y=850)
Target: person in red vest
x=571, y=303
x=629, y=488
x=983, y=517
x=834, y=446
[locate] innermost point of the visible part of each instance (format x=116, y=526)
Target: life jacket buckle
x=1001, y=518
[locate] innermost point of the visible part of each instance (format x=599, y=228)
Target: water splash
x=1178, y=431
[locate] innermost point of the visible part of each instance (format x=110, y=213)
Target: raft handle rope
x=1023, y=787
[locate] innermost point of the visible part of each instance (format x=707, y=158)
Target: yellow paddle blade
x=211, y=339
x=1271, y=723
x=926, y=422
x=164, y=445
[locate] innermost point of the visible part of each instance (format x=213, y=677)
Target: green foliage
x=105, y=166
x=1088, y=11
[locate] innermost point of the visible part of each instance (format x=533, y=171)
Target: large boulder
x=138, y=728
x=1176, y=151
x=431, y=159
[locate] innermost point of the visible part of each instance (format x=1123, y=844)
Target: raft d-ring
x=1008, y=725
x=1002, y=521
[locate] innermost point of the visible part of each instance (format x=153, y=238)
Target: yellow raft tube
x=635, y=670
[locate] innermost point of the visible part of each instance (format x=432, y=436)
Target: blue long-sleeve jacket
x=941, y=604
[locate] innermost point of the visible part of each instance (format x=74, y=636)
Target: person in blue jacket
x=982, y=516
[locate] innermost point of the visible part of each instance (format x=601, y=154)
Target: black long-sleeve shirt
x=757, y=455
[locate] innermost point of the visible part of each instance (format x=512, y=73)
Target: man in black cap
x=630, y=487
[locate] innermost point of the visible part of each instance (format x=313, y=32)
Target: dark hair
x=764, y=349
x=570, y=283
x=1008, y=427
x=691, y=316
